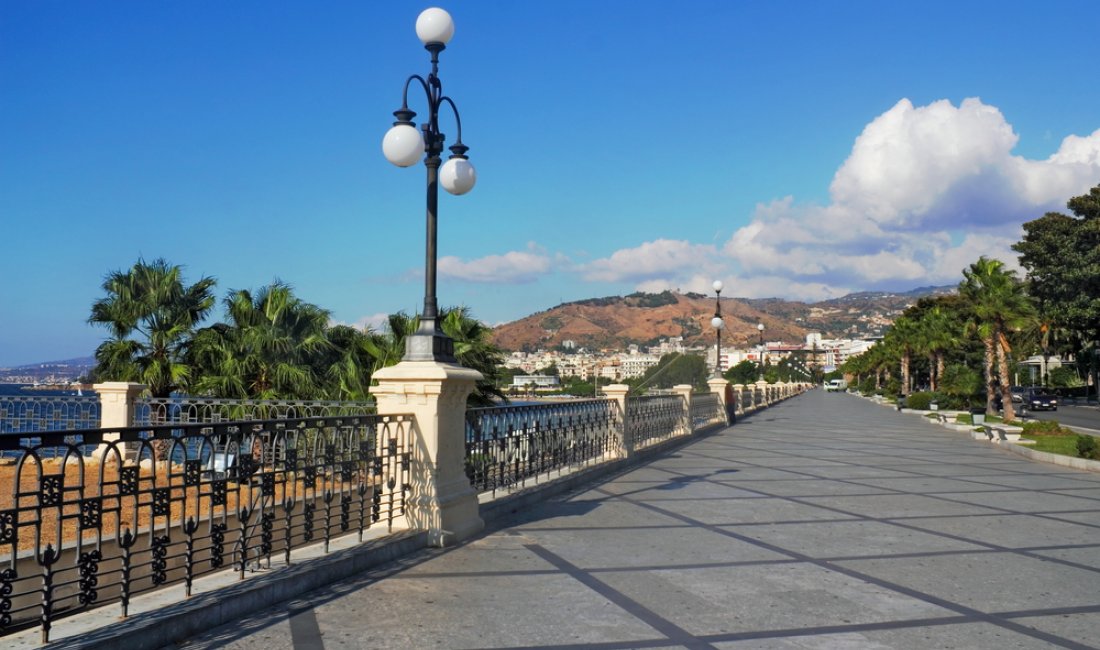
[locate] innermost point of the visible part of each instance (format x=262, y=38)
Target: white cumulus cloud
x=925, y=191
x=662, y=262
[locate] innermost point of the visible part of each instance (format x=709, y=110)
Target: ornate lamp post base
x=429, y=344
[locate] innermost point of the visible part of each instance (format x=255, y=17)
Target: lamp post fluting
x=717, y=323
x=403, y=145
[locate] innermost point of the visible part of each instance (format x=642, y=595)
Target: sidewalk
x=823, y=522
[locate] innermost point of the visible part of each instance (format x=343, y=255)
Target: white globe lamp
x=717, y=286
x=717, y=323
x=403, y=145
x=434, y=26
x=457, y=176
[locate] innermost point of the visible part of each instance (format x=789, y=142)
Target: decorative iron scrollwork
x=162, y=502
x=308, y=511
x=218, y=490
x=9, y=527
x=345, y=511
x=50, y=491
x=128, y=481
x=91, y=513
x=7, y=586
x=159, y=565
x=89, y=577
x=267, y=525
x=267, y=484
x=217, y=545
x=192, y=472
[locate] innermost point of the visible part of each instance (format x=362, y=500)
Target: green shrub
x=867, y=386
x=1086, y=447
x=918, y=400
x=1044, y=428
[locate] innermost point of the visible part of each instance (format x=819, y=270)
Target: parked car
x=1038, y=400
x=836, y=385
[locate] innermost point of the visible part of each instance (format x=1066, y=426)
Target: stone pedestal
x=117, y=400
x=441, y=500
x=718, y=387
x=618, y=393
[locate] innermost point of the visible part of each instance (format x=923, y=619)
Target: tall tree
x=267, y=350
x=1062, y=257
x=152, y=317
x=1000, y=307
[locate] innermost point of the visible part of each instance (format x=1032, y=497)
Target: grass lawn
x=1063, y=445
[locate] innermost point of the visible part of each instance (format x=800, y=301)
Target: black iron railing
x=706, y=410
x=159, y=410
x=651, y=419
x=163, y=505
x=509, y=444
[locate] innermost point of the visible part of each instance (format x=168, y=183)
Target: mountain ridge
x=614, y=322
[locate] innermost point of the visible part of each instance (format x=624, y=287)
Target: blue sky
x=793, y=149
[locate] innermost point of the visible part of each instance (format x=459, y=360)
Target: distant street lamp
x=717, y=323
x=403, y=146
x=760, y=328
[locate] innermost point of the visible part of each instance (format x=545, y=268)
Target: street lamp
x=760, y=328
x=403, y=145
x=717, y=323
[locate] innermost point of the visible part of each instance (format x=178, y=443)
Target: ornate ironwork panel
x=506, y=445
x=166, y=504
x=706, y=410
x=651, y=419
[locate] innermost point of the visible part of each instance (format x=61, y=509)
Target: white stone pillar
x=618, y=393
x=738, y=396
x=442, y=501
x=762, y=386
x=117, y=400
x=718, y=387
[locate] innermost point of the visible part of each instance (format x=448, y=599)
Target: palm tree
x=1000, y=307
x=473, y=349
x=940, y=334
x=152, y=317
x=269, y=348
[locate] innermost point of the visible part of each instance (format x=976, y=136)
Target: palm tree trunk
x=932, y=371
x=1003, y=351
x=990, y=393
x=905, y=387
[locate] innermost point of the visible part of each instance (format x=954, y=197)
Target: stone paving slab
x=821, y=522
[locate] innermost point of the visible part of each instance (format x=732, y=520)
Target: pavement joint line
x=959, y=608
x=894, y=521
x=672, y=632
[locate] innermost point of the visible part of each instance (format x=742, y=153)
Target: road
x=1083, y=418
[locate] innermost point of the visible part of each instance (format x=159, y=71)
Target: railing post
x=618, y=393
x=762, y=386
x=442, y=501
x=739, y=398
x=720, y=387
x=117, y=400
x=684, y=391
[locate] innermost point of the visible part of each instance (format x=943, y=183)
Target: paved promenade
x=823, y=522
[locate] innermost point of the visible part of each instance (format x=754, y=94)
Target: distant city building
x=539, y=382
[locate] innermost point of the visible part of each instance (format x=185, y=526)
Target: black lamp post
x=717, y=323
x=760, y=328
x=403, y=146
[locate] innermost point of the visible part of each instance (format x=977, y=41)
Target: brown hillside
x=643, y=319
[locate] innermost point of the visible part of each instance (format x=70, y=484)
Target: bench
x=1003, y=432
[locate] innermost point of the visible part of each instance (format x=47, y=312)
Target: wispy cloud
x=514, y=267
